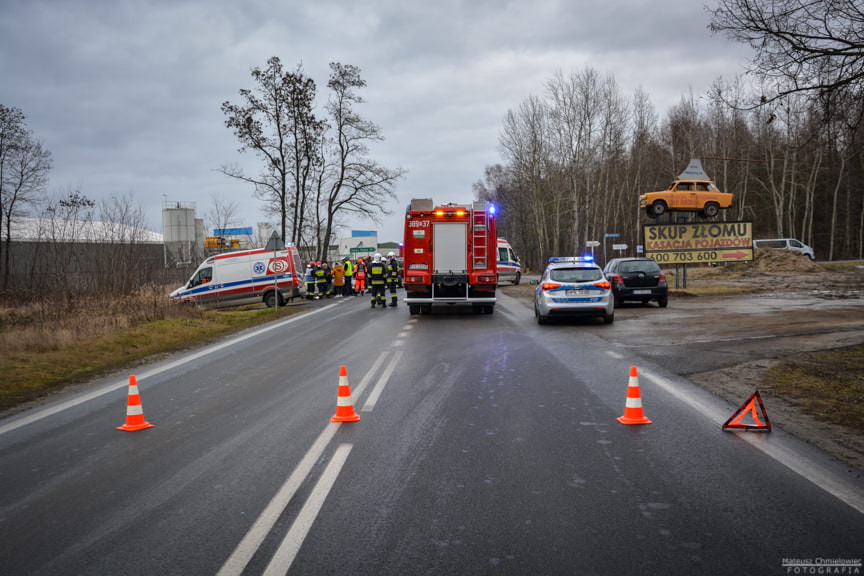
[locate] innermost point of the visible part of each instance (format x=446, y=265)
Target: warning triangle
x=749, y=409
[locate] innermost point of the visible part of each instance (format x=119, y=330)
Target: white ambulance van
x=509, y=266
x=245, y=277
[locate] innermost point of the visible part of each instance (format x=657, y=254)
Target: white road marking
x=250, y=543
x=287, y=552
x=245, y=550
x=51, y=410
x=835, y=485
x=382, y=381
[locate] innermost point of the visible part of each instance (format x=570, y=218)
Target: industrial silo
x=180, y=233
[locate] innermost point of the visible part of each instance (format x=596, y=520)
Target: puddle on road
x=838, y=294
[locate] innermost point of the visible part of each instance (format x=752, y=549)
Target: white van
x=244, y=277
x=790, y=244
x=509, y=266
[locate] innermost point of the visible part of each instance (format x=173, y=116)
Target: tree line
x=788, y=143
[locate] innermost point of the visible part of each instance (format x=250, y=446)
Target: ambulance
x=245, y=277
x=450, y=255
x=509, y=265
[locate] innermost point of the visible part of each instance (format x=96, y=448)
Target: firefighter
x=378, y=280
x=318, y=272
x=392, y=277
x=360, y=273
x=328, y=279
x=309, y=276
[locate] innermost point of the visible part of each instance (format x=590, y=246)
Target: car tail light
x=661, y=281
x=549, y=286
x=616, y=279
x=605, y=285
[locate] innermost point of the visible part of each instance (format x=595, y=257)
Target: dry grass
x=828, y=385
x=49, y=343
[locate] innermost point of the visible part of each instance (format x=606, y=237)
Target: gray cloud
x=126, y=95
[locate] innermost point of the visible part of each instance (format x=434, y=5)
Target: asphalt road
x=487, y=445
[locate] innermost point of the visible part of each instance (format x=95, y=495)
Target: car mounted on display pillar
x=693, y=191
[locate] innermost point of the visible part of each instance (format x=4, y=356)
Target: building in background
x=360, y=244
x=183, y=234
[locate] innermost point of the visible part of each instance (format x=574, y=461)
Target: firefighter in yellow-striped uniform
x=392, y=277
x=378, y=280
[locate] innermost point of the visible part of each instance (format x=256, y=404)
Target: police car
x=573, y=286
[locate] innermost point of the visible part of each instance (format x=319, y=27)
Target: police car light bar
x=559, y=259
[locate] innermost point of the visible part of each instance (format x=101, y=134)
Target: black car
x=637, y=279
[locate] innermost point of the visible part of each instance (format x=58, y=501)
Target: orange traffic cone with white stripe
x=633, y=413
x=134, y=412
x=344, y=405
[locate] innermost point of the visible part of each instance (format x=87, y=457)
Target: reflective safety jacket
x=393, y=271
x=349, y=268
x=360, y=273
x=377, y=273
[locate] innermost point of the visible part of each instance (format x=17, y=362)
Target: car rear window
x=575, y=274
x=640, y=266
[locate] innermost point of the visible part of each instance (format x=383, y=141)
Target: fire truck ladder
x=479, y=245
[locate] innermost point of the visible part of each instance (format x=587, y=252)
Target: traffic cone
x=134, y=413
x=344, y=405
x=633, y=413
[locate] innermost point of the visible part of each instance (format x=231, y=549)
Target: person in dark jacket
x=393, y=277
x=378, y=280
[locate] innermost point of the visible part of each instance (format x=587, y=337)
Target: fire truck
x=450, y=255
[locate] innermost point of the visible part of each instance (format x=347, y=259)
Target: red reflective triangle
x=749, y=408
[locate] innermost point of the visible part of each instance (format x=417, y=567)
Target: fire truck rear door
x=450, y=247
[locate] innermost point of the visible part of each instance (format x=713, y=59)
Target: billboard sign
x=699, y=242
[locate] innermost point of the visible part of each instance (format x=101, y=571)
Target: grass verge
x=29, y=372
x=828, y=385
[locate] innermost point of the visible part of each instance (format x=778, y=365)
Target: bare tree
x=223, y=213
x=122, y=234
x=276, y=121
x=350, y=182
x=814, y=47
x=24, y=167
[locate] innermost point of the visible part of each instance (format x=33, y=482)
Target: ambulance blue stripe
x=231, y=285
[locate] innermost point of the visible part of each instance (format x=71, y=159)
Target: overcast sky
x=126, y=94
